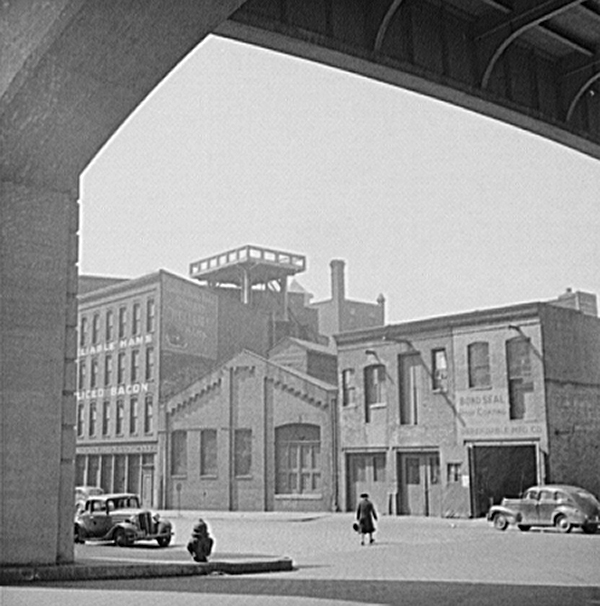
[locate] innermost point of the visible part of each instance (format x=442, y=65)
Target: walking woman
x=366, y=516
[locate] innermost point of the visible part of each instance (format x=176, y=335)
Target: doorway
x=420, y=485
x=366, y=472
x=500, y=471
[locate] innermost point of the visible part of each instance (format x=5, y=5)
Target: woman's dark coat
x=365, y=514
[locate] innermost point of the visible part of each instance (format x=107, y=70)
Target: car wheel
x=524, y=527
x=500, y=521
x=590, y=528
x=562, y=524
x=163, y=541
x=120, y=538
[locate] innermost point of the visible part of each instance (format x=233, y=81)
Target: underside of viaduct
x=72, y=71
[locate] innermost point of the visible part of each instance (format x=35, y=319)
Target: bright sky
x=439, y=209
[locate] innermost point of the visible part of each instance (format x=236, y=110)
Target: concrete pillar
x=38, y=348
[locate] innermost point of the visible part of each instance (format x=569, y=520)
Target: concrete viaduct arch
x=71, y=72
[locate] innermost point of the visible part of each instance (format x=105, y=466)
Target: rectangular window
x=150, y=315
x=479, y=364
x=82, y=373
x=348, y=387
x=298, y=467
x=135, y=365
x=122, y=322
x=80, y=419
x=110, y=326
x=149, y=363
x=439, y=370
x=133, y=415
x=243, y=452
x=108, y=369
x=94, y=373
x=379, y=468
x=148, y=414
x=95, y=329
x=120, y=417
x=411, y=386
x=208, y=452
x=121, y=368
x=375, y=390
x=179, y=453
x=105, y=417
x=92, y=425
x=454, y=473
x=520, y=380
x=137, y=319
x=83, y=328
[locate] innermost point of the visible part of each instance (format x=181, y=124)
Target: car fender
x=513, y=516
x=164, y=528
x=128, y=527
x=573, y=515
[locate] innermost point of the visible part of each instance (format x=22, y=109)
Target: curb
x=78, y=572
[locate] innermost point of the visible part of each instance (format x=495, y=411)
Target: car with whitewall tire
x=560, y=506
x=119, y=517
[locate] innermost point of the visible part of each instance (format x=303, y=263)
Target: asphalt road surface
x=414, y=561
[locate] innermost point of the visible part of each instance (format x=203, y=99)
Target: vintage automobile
x=119, y=517
x=558, y=505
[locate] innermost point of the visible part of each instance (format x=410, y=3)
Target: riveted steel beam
x=502, y=34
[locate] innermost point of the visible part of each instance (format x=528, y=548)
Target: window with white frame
x=439, y=370
x=298, y=459
x=375, y=388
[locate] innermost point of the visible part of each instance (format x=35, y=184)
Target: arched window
x=298, y=459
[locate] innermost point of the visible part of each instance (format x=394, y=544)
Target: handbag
x=355, y=527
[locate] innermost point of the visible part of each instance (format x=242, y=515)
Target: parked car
x=564, y=507
x=119, y=517
x=83, y=492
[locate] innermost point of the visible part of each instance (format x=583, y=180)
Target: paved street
x=414, y=561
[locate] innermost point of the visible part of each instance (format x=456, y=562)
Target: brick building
x=447, y=415
x=140, y=341
x=252, y=435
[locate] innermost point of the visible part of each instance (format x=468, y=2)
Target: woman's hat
x=364, y=495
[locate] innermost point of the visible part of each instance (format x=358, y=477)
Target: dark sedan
x=561, y=506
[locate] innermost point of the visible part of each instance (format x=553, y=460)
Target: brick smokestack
x=338, y=291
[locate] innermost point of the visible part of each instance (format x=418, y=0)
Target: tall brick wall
x=572, y=372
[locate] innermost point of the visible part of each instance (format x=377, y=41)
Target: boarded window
x=243, y=452
x=208, y=452
x=179, y=453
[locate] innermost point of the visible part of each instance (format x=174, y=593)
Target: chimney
x=338, y=293
x=338, y=289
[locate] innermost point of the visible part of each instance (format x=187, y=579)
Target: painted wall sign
x=189, y=321
x=121, y=390
x=114, y=345
x=117, y=449
x=482, y=408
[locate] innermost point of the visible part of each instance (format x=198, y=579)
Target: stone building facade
x=445, y=416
